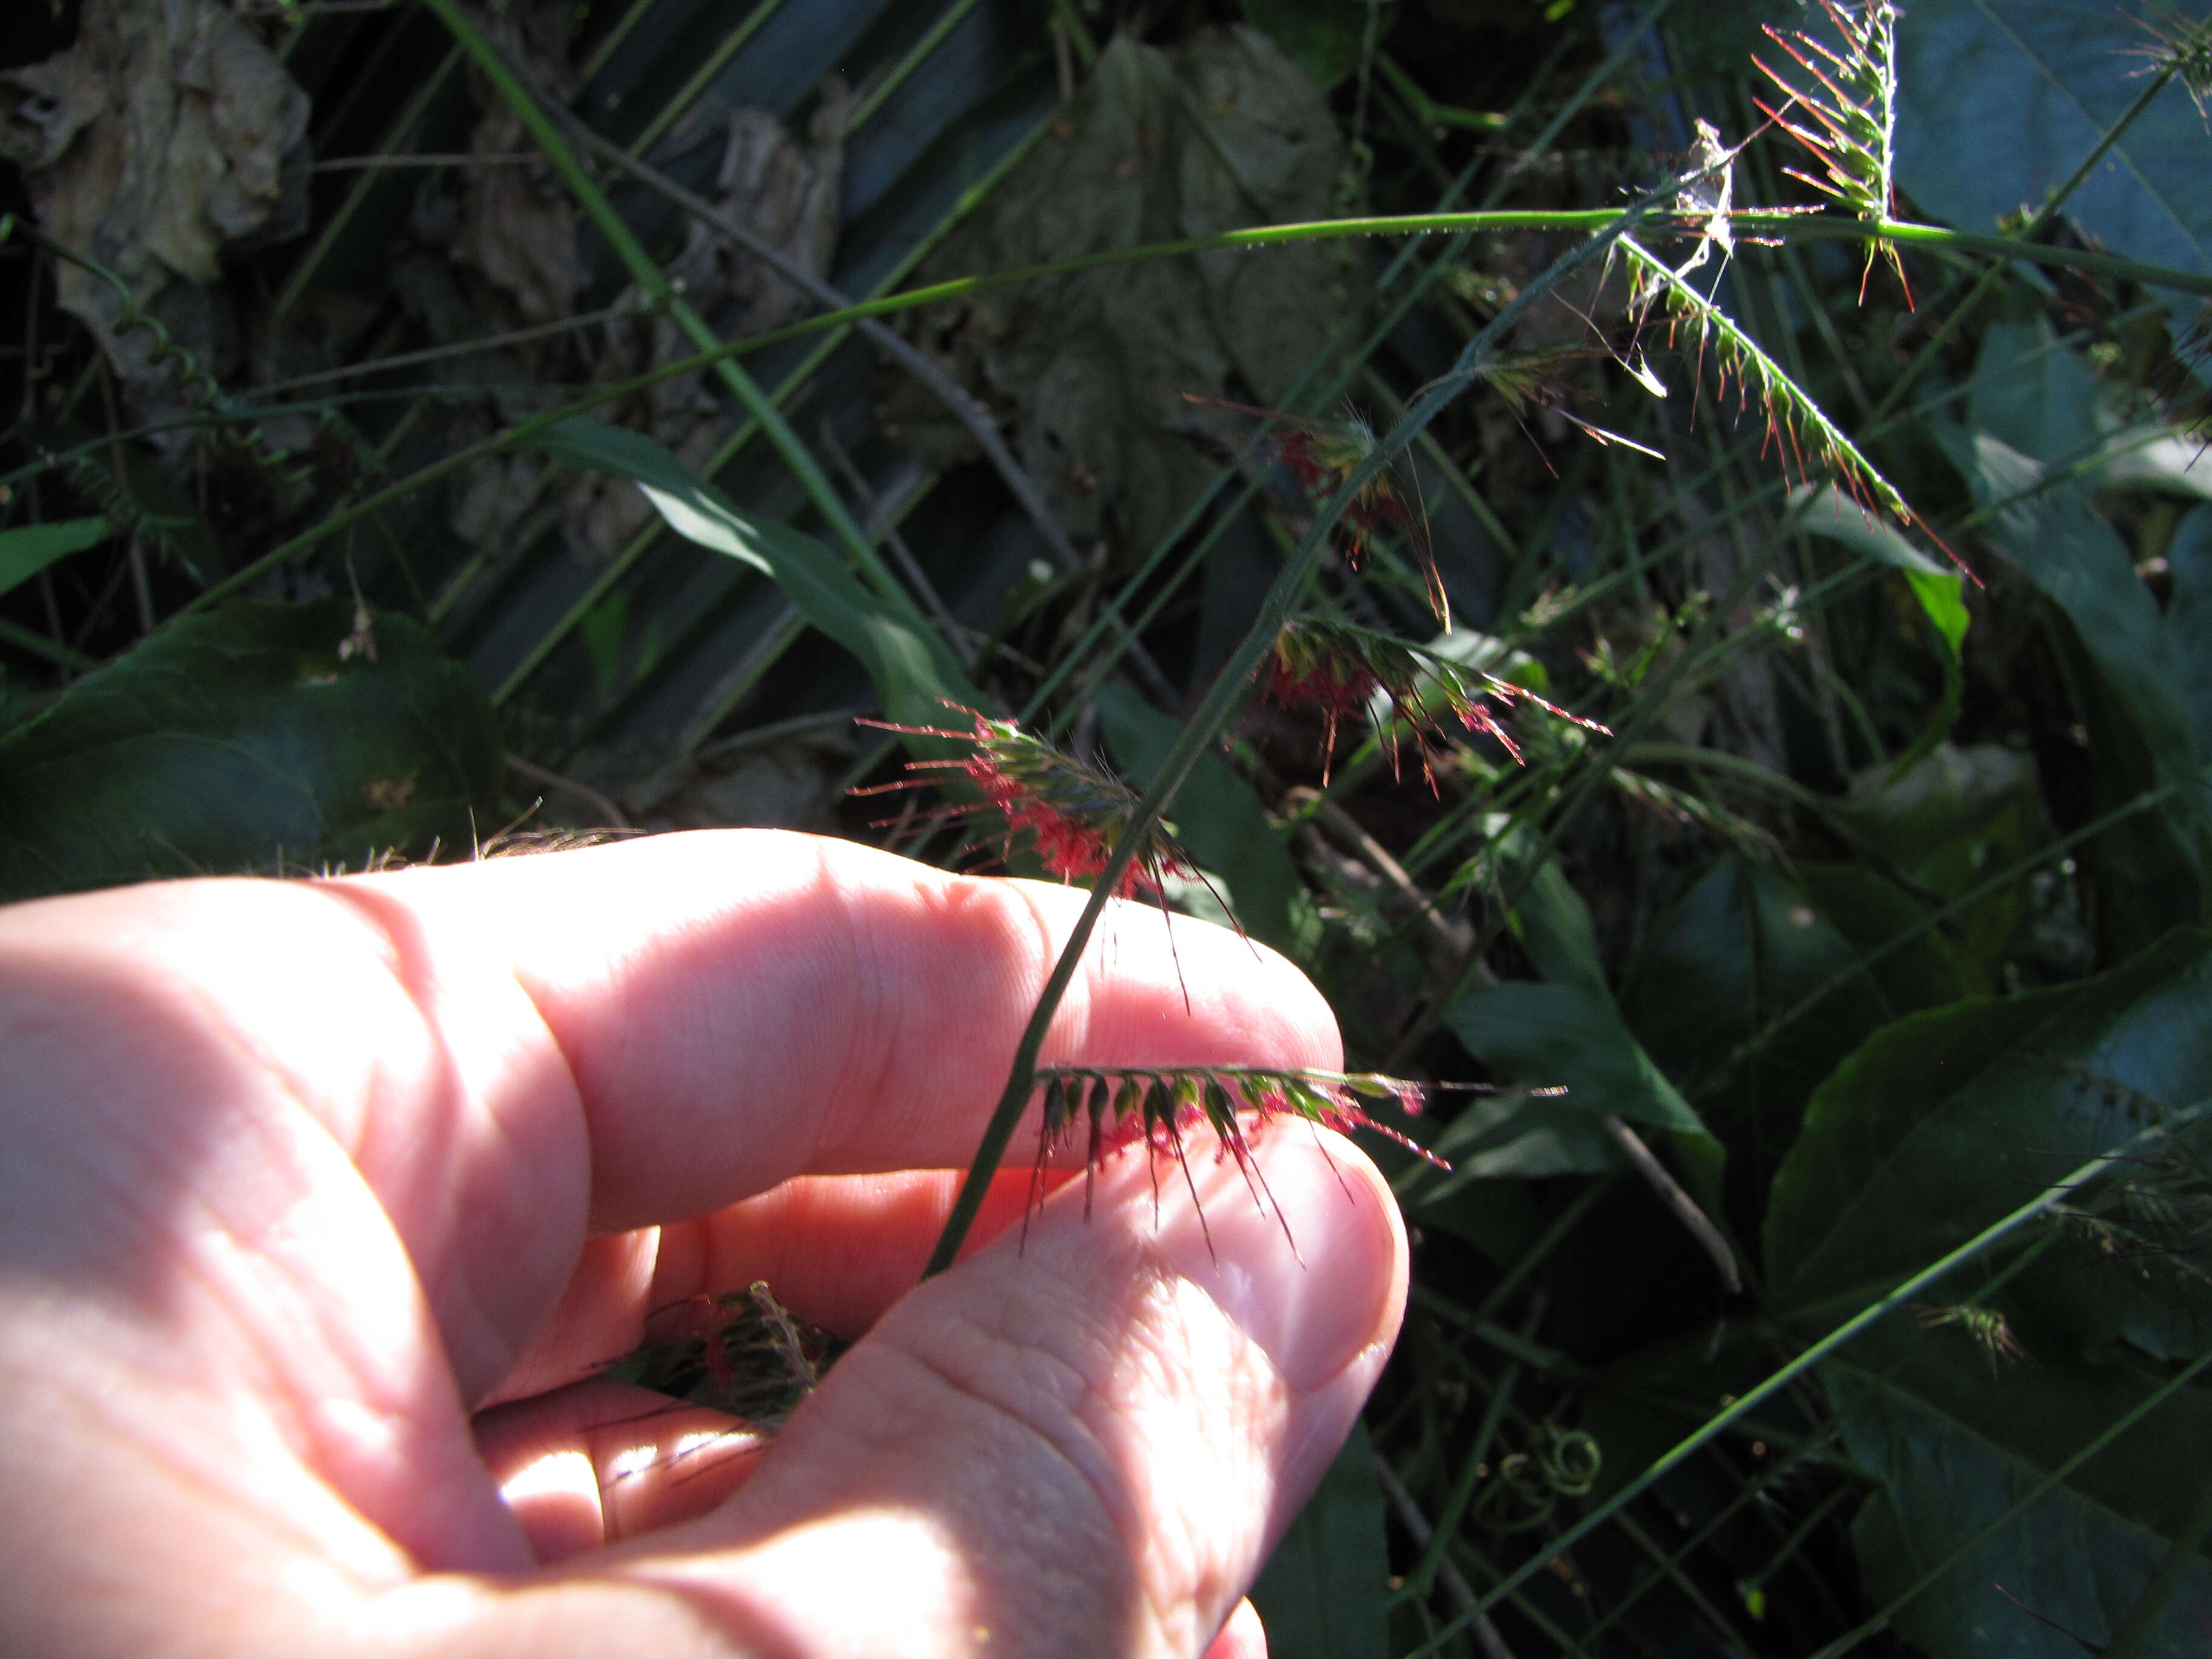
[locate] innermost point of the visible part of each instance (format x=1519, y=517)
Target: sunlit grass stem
x=1228, y=691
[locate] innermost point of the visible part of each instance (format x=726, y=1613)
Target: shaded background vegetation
x=1873, y=914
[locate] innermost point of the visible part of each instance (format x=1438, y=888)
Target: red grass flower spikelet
x=1118, y=1106
x=1156, y=1107
x=1070, y=812
x=1844, y=95
x=1322, y=455
x=1338, y=669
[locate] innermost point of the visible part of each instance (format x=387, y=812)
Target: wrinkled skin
x=324, y=1201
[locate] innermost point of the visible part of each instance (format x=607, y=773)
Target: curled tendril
x=1558, y=1463
x=199, y=388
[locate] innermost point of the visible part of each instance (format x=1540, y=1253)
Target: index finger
x=514, y=1054
x=739, y=1007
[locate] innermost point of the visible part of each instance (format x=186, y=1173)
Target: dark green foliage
x=1839, y=899
x=1940, y=1125
x=255, y=737
x=1321, y=1596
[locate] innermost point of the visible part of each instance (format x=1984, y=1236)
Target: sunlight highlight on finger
x=591, y=1465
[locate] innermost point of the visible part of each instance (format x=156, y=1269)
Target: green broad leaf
x=1559, y=932
x=1942, y=596
x=1938, y=1125
x=1324, y=38
x=2043, y=399
x=1943, y=1121
x=2052, y=534
x=1498, y=1218
x=1827, y=511
x=2037, y=396
x=915, y=675
x=2189, y=619
x=1511, y=1136
x=253, y=738
x=1220, y=819
x=1565, y=1031
x=1323, y=1594
x=1946, y=821
x=1545, y=1035
x=1748, y=942
x=2000, y=100
x=1954, y=1445
x=2156, y=460
x=28, y=549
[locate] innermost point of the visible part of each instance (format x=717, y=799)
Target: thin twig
x=141, y=589
x=456, y=159
x=1670, y=1193
x=1417, y=1525
x=545, y=779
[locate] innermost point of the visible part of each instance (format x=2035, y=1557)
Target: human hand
x=299, y=1175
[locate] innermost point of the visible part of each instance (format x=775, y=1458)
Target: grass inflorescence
x=1840, y=103
x=1800, y=435
x=1115, y=1107
x=1069, y=811
x=1339, y=670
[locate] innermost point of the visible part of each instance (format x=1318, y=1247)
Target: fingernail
x=1314, y=1308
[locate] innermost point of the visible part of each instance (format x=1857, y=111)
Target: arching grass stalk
x=1746, y=223
x=1929, y=237
x=1228, y=691
x=1802, y=436
x=2059, y=1192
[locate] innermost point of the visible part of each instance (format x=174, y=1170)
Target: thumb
x=1082, y=1445
x=1090, y=1443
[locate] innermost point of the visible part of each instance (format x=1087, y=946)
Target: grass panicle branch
x=1070, y=812
x=1339, y=670
x=1798, y=433
x=1846, y=96
x=1231, y=686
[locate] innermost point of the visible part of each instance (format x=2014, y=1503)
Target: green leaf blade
x=28, y=549
x=243, y=739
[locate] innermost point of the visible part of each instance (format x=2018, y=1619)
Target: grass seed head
x=1338, y=669
x=1071, y=813
x=1840, y=103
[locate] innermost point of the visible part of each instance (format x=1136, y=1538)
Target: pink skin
x=303, y=1178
